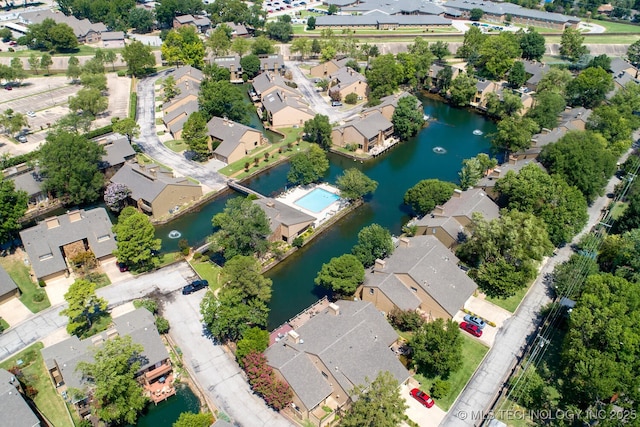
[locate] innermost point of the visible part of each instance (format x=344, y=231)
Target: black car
x=194, y=286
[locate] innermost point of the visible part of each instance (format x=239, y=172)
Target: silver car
x=475, y=320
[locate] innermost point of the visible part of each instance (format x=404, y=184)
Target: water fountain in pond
x=175, y=234
x=439, y=150
x=477, y=132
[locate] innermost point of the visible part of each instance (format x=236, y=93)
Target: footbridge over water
x=242, y=189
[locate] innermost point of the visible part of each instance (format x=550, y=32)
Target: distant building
x=345, y=81
x=286, y=222
x=231, y=141
x=201, y=23
x=51, y=243
x=155, y=373
x=231, y=63
x=154, y=189
x=388, y=105
x=15, y=410
x=421, y=275
x=365, y=133
x=8, y=288
x=382, y=21
x=326, y=68
x=85, y=30
x=113, y=39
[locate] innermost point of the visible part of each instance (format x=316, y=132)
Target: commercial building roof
x=500, y=9
x=81, y=27
x=377, y=17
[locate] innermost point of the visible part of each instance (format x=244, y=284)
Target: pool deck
x=290, y=196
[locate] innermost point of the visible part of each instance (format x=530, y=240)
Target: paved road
x=217, y=374
x=479, y=394
x=152, y=146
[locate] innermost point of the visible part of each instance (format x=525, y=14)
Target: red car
x=422, y=397
x=472, y=329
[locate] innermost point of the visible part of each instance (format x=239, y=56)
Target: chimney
x=52, y=222
x=334, y=309
x=438, y=210
x=380, y=264
x=513, y=159
x=270, y=204
x=74, y=216
x=457, y=193
x=295, y=337
x=404, y=242
x=496, y=173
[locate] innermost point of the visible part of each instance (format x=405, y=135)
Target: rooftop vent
x=334, y=309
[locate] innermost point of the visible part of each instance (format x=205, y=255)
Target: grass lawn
x=511, y=303
x=618, y=209
x=302, y=29
x=177, y=145
x=601, y=39
x=208, y=271
x=473, y=351
x=47, y=400
x=146, y=160
x=100, y=279
x=20, y=274
x=618, y=27
x=4, y=324
x=168, y=258
x=82, y=50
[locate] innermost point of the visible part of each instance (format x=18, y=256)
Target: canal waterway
x=436, y=152
x=165, y=413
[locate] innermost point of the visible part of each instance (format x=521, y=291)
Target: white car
x=31, y=114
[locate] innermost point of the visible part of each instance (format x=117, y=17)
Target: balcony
x=163, y=370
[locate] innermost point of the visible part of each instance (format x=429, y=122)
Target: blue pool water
x=316, y=200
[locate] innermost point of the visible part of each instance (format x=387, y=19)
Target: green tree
x=251, y=65
x=612, y=124
x=513, y=134
x=84, y=307
x=603, y=61
x=13, y=204
x=581, y=158
x=533, y=392
x=311, y=23
x=220, y=40
x=94, y=81
x=589, y=88
x=189, y=419
x=532, y=45
x=262, y=46
x=473, y=39
x=244, y=274
x=407, y=118
x=563, y=208
x=354, y=184
x=253, y=340
x=572, y=44
x=141, y=19
x=243, y=228
x=437, y=348
x=89, y=101
x=136, y=244
x=280, y=30
x=341, y=274
x=240, y=45
x=517, y=75
x=222, y=99
x=69, y=166
x=111, y=57
x=17, y=69
x=228, y=11
x=633, y=53
x=474, y=169
x=166, y=10
x=443, y=79
x=384, y=75
x=169, y=89
x=34, y=63
x=440, y=49
x=139, y=58
x=427, y=194
x=548, y=106
x=377, y=403
x=301, y=46
x=46, y=62
x=73, y=68
x=318, y=130
x=509, y=105
x=476, y=14
x=6, y=35
x=308, y=167
x=195, y=135
x=462, y=89
x=127, y=127
x=497, y=54
x=374, y=242
x=184, y=46
x=554, y=80
x=117, y=395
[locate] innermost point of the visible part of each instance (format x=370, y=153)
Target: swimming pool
x=316, y=200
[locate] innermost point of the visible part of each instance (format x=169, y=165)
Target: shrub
x=291, y=84
x=31, y=391
x=121, y=73
x=183, y=244
x=41, y=283
x=440, y=389
x=297, y=242
x=352, y=98
x=351, y=147
x=39, y=295
x=162, y=325
x=197, y=256
x=147, y=303
x=405, y=320
x=247, y=165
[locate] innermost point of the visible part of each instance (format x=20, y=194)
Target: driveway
x=418, y=413
x=214, y=370
x=488, y=311
x=14, y=311
x=151, y=145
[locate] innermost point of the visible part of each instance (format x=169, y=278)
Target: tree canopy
x=513, y=134
x=250, y=64
x=407, y=118
x=376, y=404
x=183, y=46
x=427, y=194
x=189, y=419
x=383, y=75
x=571, y=44
x=118, y=396
x=127, y=127
x=532, y=45
x=308, y=167
x=341, y=274
x=589, y=88
x=318, y=130
x=563, y=208
x=242, y=228
x=139, y=58
x=374, y=242
x=84, y=307
x=437, y=348
x=49, y=35
x=353, y=184
x=462, y=89
x=136, y=244
x=497, y=54
x=548, y=106
x=222, y=99
x=281, y=29
x=69, y=166
x=195, y=134
x=13, y=204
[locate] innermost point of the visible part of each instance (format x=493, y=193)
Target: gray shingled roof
x=271, y=62
x=187, y=70
x=112, y=35
x=344, y=77
x=139, y=324
x=571, y=114
x=353, y=345
x=374, y=18
x=30, y=181
x=7, y=285
x=266, y=81
x=448, y=224
x=432, y=267
x=80, y=27
x=396, y=291
x=370, y=125
x=43, y=244
x=227, y=62
x=279, y=213
x=389, y=100
x=186, y=88
x=279, y=100
x=618, y=65
x=15, y=410
x=465, y=203
x=536, y=69
x=490, y=181
x=117, y=151
x=509, y=8
x=227, y=131
x=144, y=184
x=184, y=19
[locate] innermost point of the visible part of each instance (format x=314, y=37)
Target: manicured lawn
x=618, y=209
x=618, y=27
x=100, y=279
x=601, y=39
x=146, y=160
x=177, y=145
x=473, y=352
x=83, y=50
x=302, y=29
x=168, y=258
x=511, y=303
x=4, y=324
x=208, y=271
x=35, y=373
x=20, y=274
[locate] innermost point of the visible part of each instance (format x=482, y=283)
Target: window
x=371, y=291
x=324, y=374
x=414, y=289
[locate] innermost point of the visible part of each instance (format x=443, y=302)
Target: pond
x=165, y=413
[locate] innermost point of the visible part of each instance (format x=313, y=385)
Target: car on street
x=475, y=320
x=472, y=329
x=194, y=286
x=422, y=397
x=31, y=114
x=8, y=87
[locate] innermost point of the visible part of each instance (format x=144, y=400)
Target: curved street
x=152, y=146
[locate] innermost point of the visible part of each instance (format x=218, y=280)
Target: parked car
x=422, y=397
x=472, y=329
x=8, y=87
x=475, y=320
x=194, y=286
x=21, y=138
x=336, y=104
x=31, y=114
x=123, y=267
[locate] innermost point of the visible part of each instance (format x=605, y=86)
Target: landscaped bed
x=33, y=297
